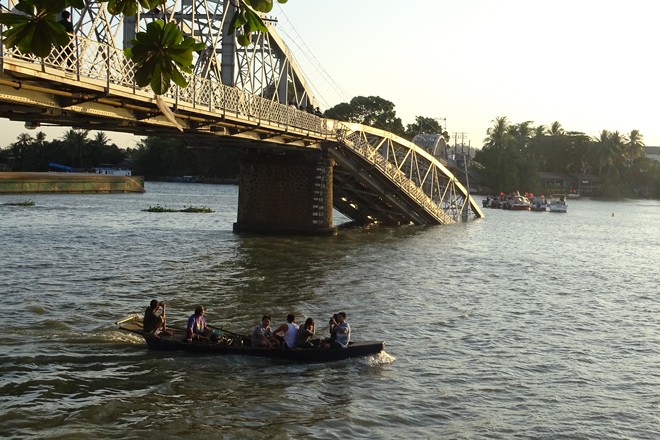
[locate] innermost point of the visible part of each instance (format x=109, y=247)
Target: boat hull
x=234, y=344
x=558, y=208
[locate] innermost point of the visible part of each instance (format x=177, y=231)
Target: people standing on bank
x=343, y=335
x=153, y=322
x=66, y=54
x=197, y=328
x=289, y=330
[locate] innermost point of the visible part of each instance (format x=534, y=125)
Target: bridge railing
x=89, y=60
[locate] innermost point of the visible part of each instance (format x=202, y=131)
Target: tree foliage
x=425, y=125
x=513, y=154
x=154, y=157
x=74, y=149
x=160, y=54
x=373, y=111
x=168, y=157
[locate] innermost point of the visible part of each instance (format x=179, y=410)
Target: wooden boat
x=223, y=342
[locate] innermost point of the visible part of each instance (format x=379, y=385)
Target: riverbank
x=68, y=183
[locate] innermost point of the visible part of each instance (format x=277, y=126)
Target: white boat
x=538, y=204
x=558, y=203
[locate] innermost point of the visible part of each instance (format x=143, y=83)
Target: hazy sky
x=591, y=65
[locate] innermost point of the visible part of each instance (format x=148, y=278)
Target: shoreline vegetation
x=513, y=156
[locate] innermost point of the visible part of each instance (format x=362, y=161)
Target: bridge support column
x=289, y=194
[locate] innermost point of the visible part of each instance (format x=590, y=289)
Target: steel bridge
x=247, y=98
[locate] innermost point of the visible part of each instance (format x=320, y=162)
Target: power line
x=293, y=37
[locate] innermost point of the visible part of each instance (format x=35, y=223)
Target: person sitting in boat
x=305, y=334
x=289, y=331
x=152, y=322
x=262, y=336
x=197, y=328
x=327, y=343
x=343, y=332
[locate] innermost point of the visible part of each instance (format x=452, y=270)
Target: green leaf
x=160, y=81
x=160, y=54
x=126, y=7
x=13, y=19
x=171, y=35
x=35, y=34
x=179, y=79
x=261, y=5
x=254, y=22
x=243, y=39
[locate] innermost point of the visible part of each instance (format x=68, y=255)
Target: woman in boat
x=197, y=328
x=305, y=334
x=289, y=331
x=153, y=322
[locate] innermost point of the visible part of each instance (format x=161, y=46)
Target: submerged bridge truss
x=240, y=97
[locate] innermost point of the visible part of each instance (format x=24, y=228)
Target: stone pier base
x=285, y=194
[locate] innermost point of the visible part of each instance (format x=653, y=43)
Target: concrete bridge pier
x=285, y=194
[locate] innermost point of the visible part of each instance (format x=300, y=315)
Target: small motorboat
x=558, y=203
x=224, y=342
x=538, y=204
x=517, y=203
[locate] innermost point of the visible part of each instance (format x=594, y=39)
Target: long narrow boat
x=224, y=343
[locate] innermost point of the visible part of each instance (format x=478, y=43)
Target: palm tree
x=18, y=150
x=635, y=146
x=556, y=129
x=609, y=150
x=521, y=134
x=101, y=139
x=499, y=137
x=75, y=142
x=40, y=138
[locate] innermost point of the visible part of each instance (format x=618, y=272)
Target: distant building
x=652, y=153
x=579, y=184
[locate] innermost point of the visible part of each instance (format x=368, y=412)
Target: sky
x=590, y=65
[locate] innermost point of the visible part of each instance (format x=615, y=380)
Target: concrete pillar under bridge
x=285, y=194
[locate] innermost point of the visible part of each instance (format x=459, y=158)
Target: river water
x=520, y=325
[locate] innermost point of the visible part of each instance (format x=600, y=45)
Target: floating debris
x=159, y=208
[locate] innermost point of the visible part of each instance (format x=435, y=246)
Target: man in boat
x=289, y=331
x=197, y=328
x=153, y=322
x=343, y=335
x=262, y=336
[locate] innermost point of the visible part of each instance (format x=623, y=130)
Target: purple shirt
x=197, y=324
